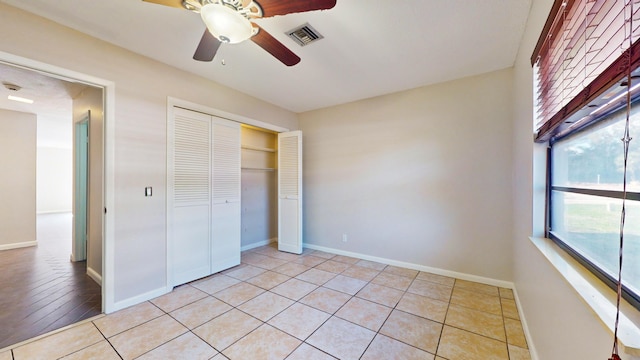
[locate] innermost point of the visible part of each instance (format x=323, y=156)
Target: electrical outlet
x=344, y=237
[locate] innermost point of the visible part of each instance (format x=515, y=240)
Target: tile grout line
x=237, y=307
x=280, y=312
x=107, y=340
x=298, y=301
x=304, y=341
x=392, y=308
x=446, y=313
x=504, y=325
x=443, y=320
x=335, y=312
x=384, y=322
x=377, y=332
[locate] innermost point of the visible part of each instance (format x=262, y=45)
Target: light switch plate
x=147, y=191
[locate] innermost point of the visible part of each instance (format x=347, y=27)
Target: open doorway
x=49, y=283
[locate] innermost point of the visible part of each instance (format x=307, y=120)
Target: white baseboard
x=119, y=305
x=94, y=275
x=454, y=274
x=258, y=244
x=53, y=212
x=527, y=334
x=18, y=245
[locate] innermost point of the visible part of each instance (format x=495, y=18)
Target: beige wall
x=422, y=176
x=54, y=180
x=91, y=100
x=17, y=179
x=142, y=86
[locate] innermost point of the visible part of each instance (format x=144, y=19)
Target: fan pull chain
x=625, y=140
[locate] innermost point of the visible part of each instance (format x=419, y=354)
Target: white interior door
x=226, y=205
x=290, y=192
x=189, y=195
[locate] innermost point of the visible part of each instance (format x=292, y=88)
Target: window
x=582, y=64
x=586, y=199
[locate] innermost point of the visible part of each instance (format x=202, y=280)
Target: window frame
x=630, y=296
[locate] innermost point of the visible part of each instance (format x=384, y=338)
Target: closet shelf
x=258, y=168
x=258, y=148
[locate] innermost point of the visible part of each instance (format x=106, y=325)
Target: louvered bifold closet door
x=225, y=219
x=189, y=196
x=290, y=192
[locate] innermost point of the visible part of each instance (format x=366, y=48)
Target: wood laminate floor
x=40, y=288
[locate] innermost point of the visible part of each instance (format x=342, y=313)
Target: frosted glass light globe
x=226, y=24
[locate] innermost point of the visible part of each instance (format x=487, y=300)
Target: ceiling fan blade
x=171, y=3
x=283, y=7
x=275, y=47
x=207, y=48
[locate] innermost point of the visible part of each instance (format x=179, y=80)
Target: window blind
x=580, y=54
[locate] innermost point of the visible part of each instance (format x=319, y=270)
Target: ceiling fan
x=230, y=21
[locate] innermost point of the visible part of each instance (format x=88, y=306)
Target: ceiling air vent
x=304, y=35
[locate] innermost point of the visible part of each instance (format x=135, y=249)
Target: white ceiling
x=52, y=103
x=371, y=47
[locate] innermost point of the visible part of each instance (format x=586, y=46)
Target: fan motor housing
x=249, y=9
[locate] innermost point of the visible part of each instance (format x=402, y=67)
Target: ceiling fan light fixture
x=225, y=23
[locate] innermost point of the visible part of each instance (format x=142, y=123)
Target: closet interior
x=259, y=178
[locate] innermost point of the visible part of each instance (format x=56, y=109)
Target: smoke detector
x=16, y=88
x=11, y=87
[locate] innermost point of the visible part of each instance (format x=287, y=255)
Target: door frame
x=108, y=151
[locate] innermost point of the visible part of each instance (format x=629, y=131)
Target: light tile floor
x=312, y=306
